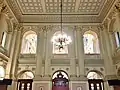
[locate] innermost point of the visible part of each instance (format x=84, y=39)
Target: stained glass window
x=29, y=43
x=91, y=45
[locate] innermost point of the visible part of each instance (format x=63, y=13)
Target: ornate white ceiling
x=38, y=11
x=53, y=6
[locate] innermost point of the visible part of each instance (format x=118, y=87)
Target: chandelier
x=61, y=39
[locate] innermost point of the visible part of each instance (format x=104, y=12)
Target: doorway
x=25, y=81
x=95, y=81
x=60, y=81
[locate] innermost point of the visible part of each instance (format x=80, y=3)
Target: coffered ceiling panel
x=90, y=6
x=54, y=6
x=75, y=11
x=30, y=6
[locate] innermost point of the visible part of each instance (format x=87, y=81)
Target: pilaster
x=106, y=52
x=9, y=64
x=48, y=52
x=80, y=52
x=72, y=56
x=16, y=51
x=39, y=53
x=8, y=41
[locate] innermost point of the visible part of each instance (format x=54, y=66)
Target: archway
x=25, y=80
x=60, y=80
x=95, y=80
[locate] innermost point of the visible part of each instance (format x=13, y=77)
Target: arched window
x=94, y=75
x=26, y=75
x=2, y=73
x=29, y=43
x=117, y=37
x=91, y=44
x=60, y=43
x=4, y=34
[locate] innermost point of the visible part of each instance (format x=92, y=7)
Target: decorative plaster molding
x=110, y=77
x=56, y=18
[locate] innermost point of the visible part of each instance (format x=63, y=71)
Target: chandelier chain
x=61, y=16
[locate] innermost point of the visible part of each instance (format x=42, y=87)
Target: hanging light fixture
x=61, y=39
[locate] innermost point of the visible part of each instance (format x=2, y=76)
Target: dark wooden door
x=96, y=84
x=3, y=87
x=24, y=84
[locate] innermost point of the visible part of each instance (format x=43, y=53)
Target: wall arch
x=60, y=71
x=92, y=28
x=29, y=42
x=91, y=43
x=10, y=25
x=26, y=32
x=111, y=25
x=22, y=72
x=98, y=72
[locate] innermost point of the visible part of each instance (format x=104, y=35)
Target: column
x=40, y=41
x=80, y=52
x=105, y=45
x=73, y=67
x=47, y=54
x=112, y=42
x=16, y=52
x=72, y=55
x=9, y=64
